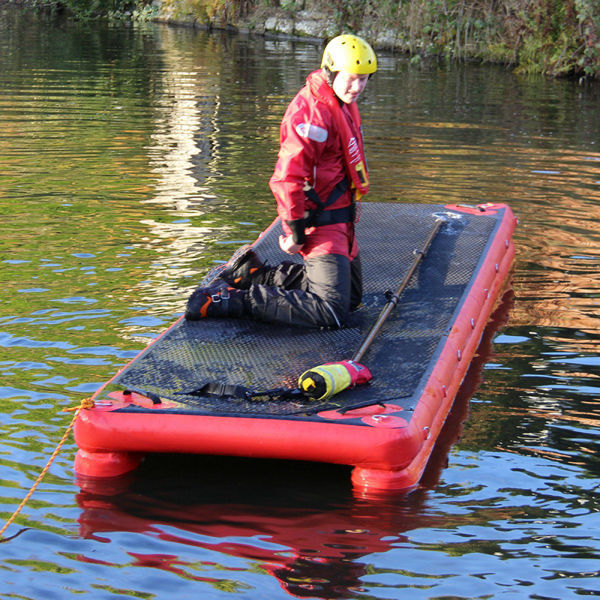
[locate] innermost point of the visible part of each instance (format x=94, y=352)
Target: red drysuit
x=320, y=143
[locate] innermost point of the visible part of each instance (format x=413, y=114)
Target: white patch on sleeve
x=312, y=132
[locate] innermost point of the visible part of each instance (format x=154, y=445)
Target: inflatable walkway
x=220, y=386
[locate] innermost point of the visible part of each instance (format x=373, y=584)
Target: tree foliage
x=555, y=37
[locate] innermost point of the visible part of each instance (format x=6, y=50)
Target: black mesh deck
x=263, y=356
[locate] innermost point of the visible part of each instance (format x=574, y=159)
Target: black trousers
x=317, y=293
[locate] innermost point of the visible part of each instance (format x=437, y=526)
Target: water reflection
x=300, y=523
x=514, y=142
x=313, y=547
x=184, y=156
x=290, y=520
x=544, y=398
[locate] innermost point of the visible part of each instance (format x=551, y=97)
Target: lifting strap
x=156, y=399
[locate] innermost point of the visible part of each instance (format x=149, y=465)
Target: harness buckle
x=221, y=295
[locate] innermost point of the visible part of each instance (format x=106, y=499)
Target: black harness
x=321, y=216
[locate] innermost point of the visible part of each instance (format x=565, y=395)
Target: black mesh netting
x=264, y=356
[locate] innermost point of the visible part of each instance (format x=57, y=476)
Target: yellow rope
x=85, y=403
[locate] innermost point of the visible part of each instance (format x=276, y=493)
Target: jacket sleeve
x=304, y=132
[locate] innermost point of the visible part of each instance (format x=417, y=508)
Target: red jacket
x=311, y=150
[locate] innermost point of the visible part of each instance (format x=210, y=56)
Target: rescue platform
x=160, y=401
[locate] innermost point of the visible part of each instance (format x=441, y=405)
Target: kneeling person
x=320, y=173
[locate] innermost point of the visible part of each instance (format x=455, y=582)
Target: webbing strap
x=336, y=215
x=318, y=216
x=222, y=390
x=156, y=399
x=227, y=390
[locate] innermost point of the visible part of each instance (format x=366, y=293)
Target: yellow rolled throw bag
x=326, y=380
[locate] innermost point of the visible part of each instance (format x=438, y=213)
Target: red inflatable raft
x=385, y=430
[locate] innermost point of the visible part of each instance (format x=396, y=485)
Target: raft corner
x=106, y=464
x=367, y=481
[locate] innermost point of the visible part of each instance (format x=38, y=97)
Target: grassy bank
x=554, y=37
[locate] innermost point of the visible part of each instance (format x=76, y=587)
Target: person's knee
x=335, y=311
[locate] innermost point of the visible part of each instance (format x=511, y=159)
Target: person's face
x=349, y=86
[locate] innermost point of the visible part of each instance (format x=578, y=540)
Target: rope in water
x=85, y=403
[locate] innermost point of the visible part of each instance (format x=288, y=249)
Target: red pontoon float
x=160, y=402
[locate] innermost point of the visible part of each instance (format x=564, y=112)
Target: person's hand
x=287, y=244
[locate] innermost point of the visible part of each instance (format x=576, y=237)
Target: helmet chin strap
x=330, y=75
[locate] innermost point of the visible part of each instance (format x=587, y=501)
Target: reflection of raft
x=386, y=430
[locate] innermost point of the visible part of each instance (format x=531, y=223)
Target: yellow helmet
x=351, y=54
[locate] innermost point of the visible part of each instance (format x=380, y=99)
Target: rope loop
x=85, y=403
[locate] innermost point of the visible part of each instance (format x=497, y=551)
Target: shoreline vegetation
x=558, y=38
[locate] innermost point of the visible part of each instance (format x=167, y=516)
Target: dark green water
x=132, y=160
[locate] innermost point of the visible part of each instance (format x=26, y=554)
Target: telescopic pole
x=394, y=298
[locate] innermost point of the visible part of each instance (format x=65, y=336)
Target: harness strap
x=320, y=215
x=337, y=215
